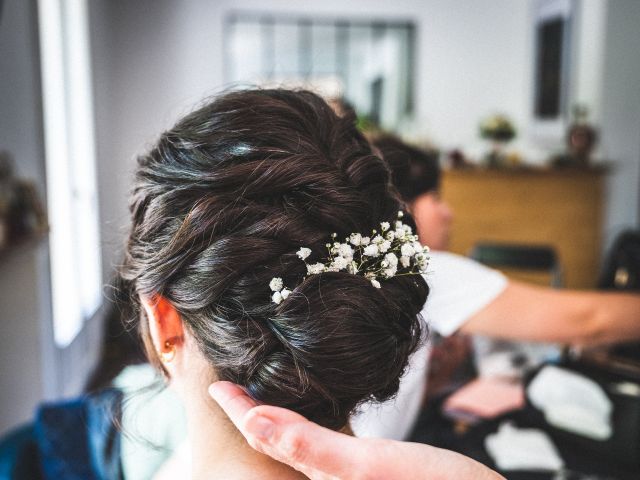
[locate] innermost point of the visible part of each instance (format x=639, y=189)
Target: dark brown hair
x=413, y=171
x=221, y=205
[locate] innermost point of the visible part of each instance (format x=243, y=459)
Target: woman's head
x=416, y=175
x=222, y=204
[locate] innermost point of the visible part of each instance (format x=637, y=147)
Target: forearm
x=526, y=312
x=440, y=464
x=614, y=317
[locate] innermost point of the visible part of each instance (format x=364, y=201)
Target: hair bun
x=221, y=206
x=342, y=342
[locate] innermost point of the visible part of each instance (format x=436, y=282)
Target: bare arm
x=527, y=312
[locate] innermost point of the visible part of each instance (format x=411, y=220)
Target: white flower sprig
x=385, y=254
x=279, y=292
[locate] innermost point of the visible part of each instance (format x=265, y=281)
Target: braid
x=222, y=204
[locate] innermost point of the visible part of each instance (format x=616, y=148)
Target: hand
x=322, y=454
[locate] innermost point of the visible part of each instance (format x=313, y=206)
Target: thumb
x=318, y=452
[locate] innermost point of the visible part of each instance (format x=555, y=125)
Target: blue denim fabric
x=19, y=457
x=70, y=440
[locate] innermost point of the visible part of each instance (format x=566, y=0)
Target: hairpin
x=380, y=256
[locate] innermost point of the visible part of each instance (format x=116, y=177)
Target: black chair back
x=519, y=256
x=622, y=266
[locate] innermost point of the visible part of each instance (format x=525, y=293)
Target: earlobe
x=165, y=327
x=168, y=353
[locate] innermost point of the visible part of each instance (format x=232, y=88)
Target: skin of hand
x=531, y=313
x=323, y=454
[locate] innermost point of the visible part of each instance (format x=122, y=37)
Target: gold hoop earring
x=169, y=353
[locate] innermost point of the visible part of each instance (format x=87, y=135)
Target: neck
x=220, y=451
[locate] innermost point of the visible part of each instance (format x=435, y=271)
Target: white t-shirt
x=459, y=288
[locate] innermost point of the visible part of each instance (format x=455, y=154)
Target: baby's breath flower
x=303, y=253
x=315, y=269
x=391, y=259
x=276, y=284
x=407, y=250
x=371, y=251
x=340, y=263
x=378, y=257
x=422, y=261
x=400, y=214
x=346, y=251
x=389, y=272
x=276, y=297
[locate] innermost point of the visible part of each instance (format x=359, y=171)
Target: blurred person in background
x=515, y=310
x=470, y=298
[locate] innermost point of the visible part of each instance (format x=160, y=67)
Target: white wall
x=23, y=270
x=620, y=115
x=152, y=61
x=588, y=59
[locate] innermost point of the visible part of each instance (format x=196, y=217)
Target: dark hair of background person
x=221, y=205
x=414, y=171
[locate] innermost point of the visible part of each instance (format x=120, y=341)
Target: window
x=369, y=63
x=552, y=30
x=70, y=160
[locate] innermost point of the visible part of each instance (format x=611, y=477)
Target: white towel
x=522, y=449
x=572, y=402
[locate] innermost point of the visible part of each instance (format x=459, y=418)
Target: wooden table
x=562, y=208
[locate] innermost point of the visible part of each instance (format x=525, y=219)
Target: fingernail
x=214, y=392
x=260, y=427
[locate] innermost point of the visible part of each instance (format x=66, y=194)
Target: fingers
x=290, y=438
x=233, y=400
x=314, y=450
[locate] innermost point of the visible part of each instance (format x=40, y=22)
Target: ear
x=165, y=328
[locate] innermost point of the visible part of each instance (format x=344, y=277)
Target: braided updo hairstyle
x=221, y=205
